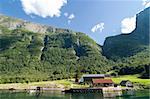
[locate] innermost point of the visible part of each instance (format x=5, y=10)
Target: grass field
x=48, y=84
x=132, y=78
x=70, y=83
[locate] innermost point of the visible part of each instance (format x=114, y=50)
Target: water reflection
x=86, y=96
x=59, y=95
x=112, y=95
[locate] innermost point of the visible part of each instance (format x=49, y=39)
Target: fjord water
x=140, y=94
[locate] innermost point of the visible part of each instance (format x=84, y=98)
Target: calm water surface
x=141, y=94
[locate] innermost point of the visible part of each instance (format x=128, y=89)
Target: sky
x=97, y=18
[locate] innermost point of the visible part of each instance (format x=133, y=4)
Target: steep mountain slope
x=45, y=53
x=126, y=45
x=131, y=51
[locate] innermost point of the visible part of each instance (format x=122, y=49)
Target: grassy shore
x=64, y=84
x=132, y=78
x=138, y=82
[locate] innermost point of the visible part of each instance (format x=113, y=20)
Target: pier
x=83, y=90
x=93, y=90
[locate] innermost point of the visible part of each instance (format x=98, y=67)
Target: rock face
x=143, y=21
x=12, y=23
x=126, y=45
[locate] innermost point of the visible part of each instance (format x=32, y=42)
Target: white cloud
x=66, y=14
x=146, y=3
x=97, y=27
x=128, y=24
x=43, y=8
x=70, y=17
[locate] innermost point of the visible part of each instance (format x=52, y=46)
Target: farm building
x=102, y=82
x=87, y=78
x=126, y=83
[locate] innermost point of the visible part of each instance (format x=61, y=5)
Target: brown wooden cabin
x=102, y=82
x=87, y=78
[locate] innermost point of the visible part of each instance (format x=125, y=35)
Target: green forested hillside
x=137, y=64
x=45, y=53
x=27, y=56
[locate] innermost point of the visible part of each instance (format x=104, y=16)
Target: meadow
x=69, y=83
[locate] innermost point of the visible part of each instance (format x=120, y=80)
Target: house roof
x=94, y=75
x=102, y=81
x=123, y=82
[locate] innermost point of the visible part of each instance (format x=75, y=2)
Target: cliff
x=125, y=45
x=14, y=23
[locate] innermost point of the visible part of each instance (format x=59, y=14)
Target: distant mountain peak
x=14, y=23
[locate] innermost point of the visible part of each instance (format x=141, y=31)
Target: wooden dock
x=84, y=90
x=94, y=89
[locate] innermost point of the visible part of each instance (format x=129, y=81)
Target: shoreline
x=46, y=85
x=70, y=83
x=63, y=89
x=104, y=90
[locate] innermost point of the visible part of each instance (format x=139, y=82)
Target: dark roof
x=102, y=81
x=123, y=82
x=107, y=75
x=94, y=75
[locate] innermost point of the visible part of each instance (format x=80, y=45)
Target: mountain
x=132, y=50
x=125, y=45
x=33, y=52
